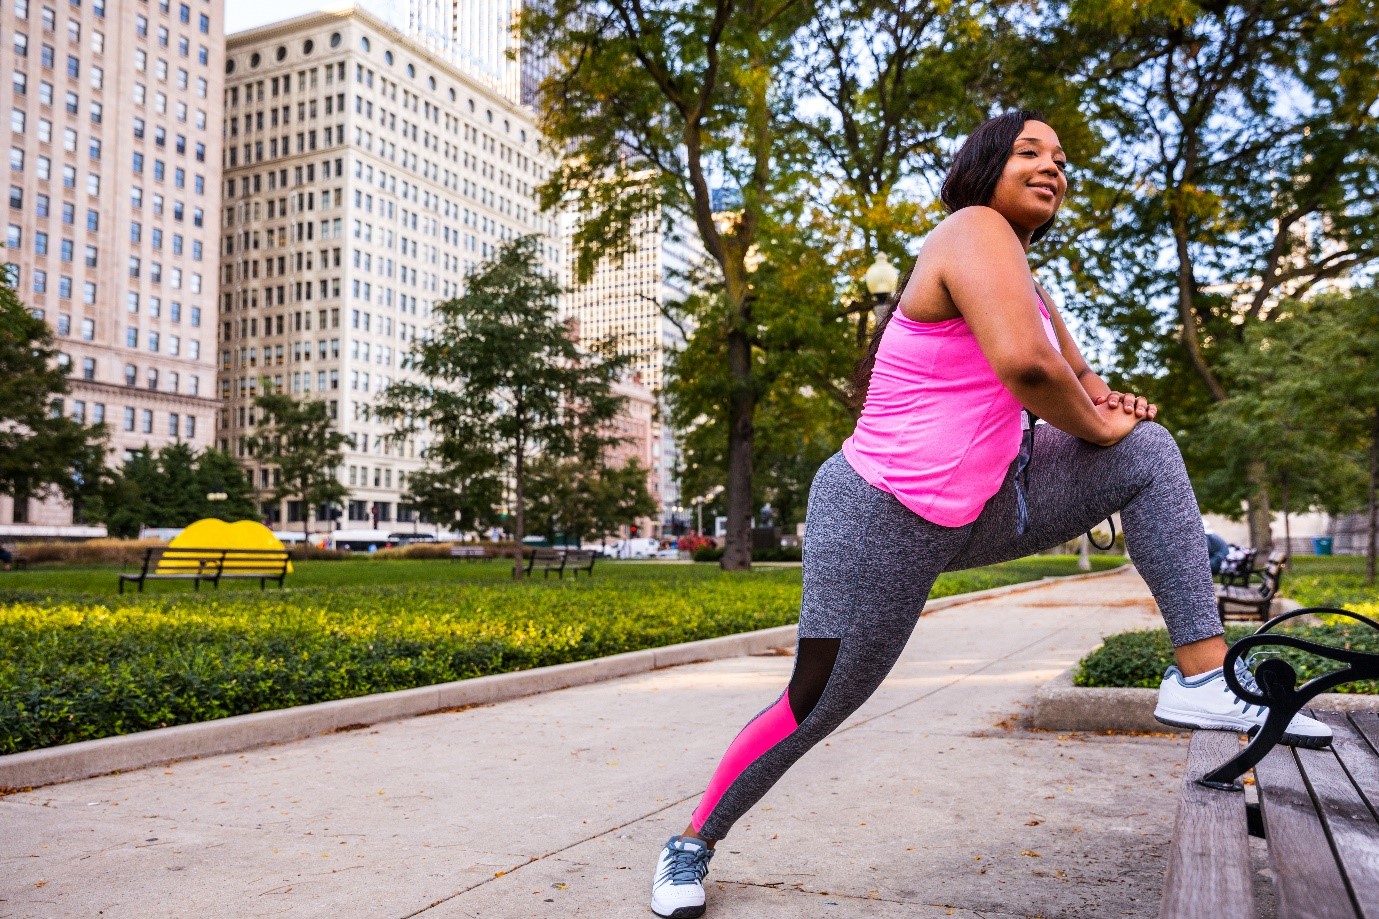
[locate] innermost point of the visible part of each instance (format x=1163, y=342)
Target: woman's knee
x=1152, y=439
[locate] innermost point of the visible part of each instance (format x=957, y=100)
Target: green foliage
x=42, y=451
x=1308, y=402
x=76, y=666
x=573, y=499
x=299, y=437
x=168, y=488
x=1234, y=152
x=1139, y=659
x=502, y=382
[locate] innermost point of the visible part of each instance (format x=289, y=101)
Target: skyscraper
x=114, y=195
x=475, y=35
x=364, y=177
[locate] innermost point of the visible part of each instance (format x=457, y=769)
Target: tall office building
x=364, y=176
x=475, y=35
x=114, y=194
x=623, y=300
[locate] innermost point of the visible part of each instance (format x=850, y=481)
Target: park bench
x=469, y=552
x=164, y=563
x=1317, y=810
x=1236, y=569
x=560, y=561
x=1255, y=594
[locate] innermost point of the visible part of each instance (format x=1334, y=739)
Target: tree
x=298, y=436
x=1240, y=151
x=42, y=452
x=171, y=487
x=460, y=495
x=576, y=499
x=807, y=112
x=503, y=380
x=1310, y=383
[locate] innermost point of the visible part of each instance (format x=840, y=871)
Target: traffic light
x=633, y=530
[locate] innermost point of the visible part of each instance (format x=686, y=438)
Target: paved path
x=930, y=802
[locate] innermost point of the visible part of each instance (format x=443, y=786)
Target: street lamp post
x=881, y=280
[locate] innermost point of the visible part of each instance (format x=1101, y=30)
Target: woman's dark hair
x=972, y=179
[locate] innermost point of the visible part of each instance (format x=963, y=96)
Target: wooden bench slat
x=1350, y=821
x=1209, y=863
x=1359, y=757
x=1308, y=881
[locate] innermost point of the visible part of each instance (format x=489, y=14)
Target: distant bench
x=469, y=552
x=1254, y=594
x=163, y=563
x=560, y=561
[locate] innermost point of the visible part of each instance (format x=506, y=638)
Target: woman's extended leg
x=869, y=566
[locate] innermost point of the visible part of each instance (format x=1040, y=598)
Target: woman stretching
x=940, y=475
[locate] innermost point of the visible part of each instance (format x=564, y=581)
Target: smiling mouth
x=1044, y=188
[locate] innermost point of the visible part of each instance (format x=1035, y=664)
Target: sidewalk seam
x=238, y=733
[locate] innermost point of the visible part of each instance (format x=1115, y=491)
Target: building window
x=128, y=418
x=146, y=421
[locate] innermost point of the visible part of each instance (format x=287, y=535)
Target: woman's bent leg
x=1074, y=485
x=869, y=565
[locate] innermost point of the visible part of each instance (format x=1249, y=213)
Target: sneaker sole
x=1289, y=739
x=684, y=912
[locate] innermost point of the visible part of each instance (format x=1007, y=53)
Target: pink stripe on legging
x=761, y=734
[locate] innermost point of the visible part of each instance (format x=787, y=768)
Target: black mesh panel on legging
x=813, y=665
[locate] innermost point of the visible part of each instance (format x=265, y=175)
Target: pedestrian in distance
x=944, y=472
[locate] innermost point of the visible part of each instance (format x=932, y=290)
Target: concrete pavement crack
x=554, y=852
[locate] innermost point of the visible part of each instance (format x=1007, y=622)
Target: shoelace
x=1247, y=680
x=687, y=866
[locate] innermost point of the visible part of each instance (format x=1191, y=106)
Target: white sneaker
x=1206, y=702
x=677, y=891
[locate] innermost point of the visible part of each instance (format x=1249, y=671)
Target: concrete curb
x=238, y=733
x=1061, y=706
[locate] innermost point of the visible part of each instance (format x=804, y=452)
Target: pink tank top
x=938, y=429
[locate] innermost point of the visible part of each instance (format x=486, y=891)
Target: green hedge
x=75, y=671
x=1140, y=658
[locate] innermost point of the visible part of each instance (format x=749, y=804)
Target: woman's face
x=1034, y=181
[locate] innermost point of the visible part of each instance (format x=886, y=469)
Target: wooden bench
x=262, y=565
x=164, y=563
x=547, y=559
x=469, y=552
x=1256, y=593
x=1316, y=812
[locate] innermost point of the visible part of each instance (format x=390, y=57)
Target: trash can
x=1321, y=545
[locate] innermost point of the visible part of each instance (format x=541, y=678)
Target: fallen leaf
x=1031, y=853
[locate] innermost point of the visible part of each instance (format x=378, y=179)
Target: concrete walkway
x=931, y=801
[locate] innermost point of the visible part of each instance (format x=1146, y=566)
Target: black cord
x=1110, y=544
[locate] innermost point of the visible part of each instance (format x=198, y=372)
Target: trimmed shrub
x=89, y=552
x=1139, y=659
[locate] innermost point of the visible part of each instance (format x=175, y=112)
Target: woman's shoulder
x=976, y=220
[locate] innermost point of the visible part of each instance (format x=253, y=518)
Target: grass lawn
x=1140, y=658
x=78, y=661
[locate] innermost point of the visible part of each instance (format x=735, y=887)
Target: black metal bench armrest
x=1278, y=689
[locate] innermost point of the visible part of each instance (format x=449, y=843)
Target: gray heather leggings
x=870, y=562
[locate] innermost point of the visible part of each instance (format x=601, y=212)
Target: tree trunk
x=306, y=528
x=1259, y=515
x=1373, y=503
x=1287, y=528
x=519, y=569
x=737, y=554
